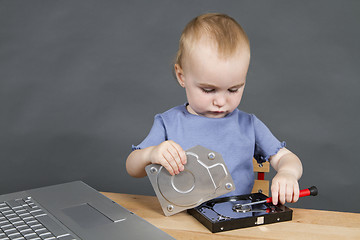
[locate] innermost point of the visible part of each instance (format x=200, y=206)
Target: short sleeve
x=156, y=135
x=266, y=144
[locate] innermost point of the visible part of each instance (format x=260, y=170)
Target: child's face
x=214, y=86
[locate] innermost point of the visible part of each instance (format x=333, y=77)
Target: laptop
x=70, y=211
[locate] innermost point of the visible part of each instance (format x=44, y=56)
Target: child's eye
x=208, y=90
x=233, y=90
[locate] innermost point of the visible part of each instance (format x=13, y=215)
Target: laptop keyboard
x=24, y=219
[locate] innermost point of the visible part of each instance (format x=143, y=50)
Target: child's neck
x=190, y=110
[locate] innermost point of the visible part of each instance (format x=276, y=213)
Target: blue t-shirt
x=238, y=137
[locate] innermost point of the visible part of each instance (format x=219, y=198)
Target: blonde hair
x=220, y=29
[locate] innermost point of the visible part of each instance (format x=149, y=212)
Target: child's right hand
x=170, y=155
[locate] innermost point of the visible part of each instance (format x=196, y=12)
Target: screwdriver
x=311, y=191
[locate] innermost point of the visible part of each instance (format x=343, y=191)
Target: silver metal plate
x=205, y=177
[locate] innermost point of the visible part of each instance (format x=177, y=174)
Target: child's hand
x=284, y=188
x=170, y=155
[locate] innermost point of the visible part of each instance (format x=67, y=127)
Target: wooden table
x=306, y=224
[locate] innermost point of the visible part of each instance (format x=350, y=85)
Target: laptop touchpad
x=86, y=216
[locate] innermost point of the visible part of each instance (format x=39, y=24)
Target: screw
x=170, y=208
x=260, y=165
x=211, y=156
x=153, y=170
x=228, y=186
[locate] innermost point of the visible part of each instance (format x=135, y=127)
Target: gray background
x=80, y=81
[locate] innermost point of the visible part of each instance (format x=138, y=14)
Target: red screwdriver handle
x=311, y=191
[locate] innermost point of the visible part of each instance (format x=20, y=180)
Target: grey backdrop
x=80, y=81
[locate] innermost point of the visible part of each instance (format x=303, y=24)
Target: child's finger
x=296, y=192
x=175, y=151
x=180, y=152
x=282, y=192
x=166, y=165
x=275, y=193
x=289, y=193
x=175, y=158
x=171, y=161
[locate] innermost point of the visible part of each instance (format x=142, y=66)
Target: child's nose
x=219, y=100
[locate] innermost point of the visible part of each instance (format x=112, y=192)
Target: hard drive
x=205, y=177
x=223, y=214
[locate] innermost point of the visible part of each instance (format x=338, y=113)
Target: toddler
x=211, y=65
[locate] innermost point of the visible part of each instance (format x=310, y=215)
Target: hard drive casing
x=218, y=219
x=205, y=177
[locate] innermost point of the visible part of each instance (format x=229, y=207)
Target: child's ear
x=179, y=74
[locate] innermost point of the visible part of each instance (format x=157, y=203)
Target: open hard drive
x=205, y=177
x=229, y=213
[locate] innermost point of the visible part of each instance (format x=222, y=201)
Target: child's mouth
x=218, y=113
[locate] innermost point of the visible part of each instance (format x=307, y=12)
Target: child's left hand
x=284, y=188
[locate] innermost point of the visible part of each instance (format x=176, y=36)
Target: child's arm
x=169, y=154
x=289, y=169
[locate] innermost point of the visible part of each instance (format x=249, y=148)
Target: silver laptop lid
x=85, y=213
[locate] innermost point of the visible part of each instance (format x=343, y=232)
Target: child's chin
x=215, y=115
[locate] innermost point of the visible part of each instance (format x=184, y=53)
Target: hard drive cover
x=205, y=177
